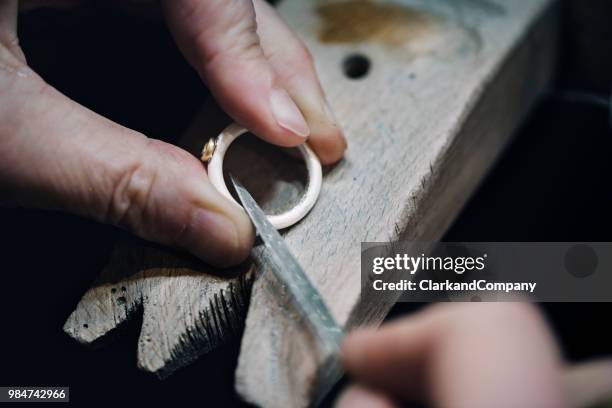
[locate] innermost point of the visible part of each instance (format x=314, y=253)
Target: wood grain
x=187, y=310
x=424, y=125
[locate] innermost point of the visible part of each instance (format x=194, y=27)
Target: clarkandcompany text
x=471, y=286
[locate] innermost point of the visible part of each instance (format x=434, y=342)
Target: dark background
x=553, y=184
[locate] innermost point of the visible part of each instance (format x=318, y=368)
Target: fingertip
x=217, y=230
x=358, y=396
x=354, y=347
x=329, y=145
x=294, y=69
x=326, y=138
x=252, y=100
x=245, y=236
x=217, y=239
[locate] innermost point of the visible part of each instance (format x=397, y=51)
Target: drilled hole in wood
x=356, y=66
x=86, y=325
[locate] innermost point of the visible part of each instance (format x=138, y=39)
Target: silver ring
x=214, y=152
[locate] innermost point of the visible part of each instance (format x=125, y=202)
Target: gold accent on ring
x=208, y=150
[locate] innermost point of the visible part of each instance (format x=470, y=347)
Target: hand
x=462, y=355
x=56, y=154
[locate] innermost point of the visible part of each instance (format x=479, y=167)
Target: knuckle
x=12, y=41
x=9, y=63
x=130, y=196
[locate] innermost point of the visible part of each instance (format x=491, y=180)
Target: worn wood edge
x=134, y=280
x=513, y=73
x=438, y=194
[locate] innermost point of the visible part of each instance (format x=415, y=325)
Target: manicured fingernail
x=287, y=113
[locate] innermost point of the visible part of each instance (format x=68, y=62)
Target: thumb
x=56, y=154
x=219, y=38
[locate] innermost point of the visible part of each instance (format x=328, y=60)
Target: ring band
x=214, y=152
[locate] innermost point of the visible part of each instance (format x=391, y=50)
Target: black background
x=553, y=184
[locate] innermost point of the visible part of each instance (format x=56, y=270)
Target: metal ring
x=214, y=152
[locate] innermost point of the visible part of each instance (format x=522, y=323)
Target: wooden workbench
x=429, y=93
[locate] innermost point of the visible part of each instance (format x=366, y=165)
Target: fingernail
x=213, y=237
x=287, y=114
